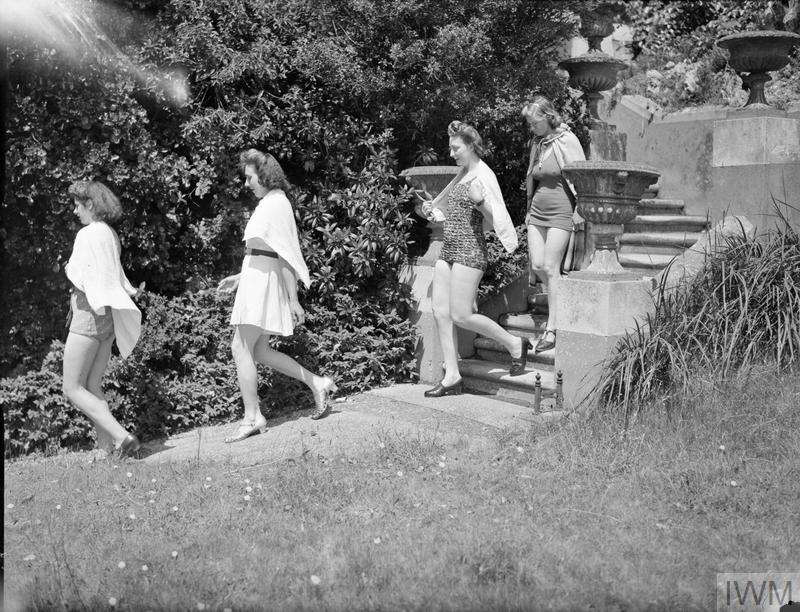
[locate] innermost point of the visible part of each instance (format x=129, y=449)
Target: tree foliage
x=343, y=92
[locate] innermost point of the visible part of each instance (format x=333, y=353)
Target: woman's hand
x=298, y=314
x=228, y=284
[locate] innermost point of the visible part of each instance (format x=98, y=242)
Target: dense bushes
x=343, y=93
x=741, y=312
x=181, y=374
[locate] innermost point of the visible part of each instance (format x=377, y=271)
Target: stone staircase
x=661, y=231
x=487, y=371
x=649, y=242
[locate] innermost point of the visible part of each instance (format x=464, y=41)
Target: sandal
x=247, y=429
x=321, y=400
x=544, y=344
x=129, y=447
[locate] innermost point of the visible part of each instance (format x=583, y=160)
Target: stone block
x=759, y=140
x=580, y=359
x=601, y=307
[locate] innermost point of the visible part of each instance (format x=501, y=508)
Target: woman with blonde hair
x=474, y=205
x=551, y=201
x=266, y=292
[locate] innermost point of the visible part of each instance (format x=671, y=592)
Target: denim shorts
x=86, y=322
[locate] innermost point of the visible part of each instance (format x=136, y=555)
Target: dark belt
x=249, y=251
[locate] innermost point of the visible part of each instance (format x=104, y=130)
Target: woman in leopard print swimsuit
x=474, y=204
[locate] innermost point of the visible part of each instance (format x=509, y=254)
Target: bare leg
x=537, y=237
x=440, y=300
x=463, y=289
x=243, y=347
x=83, y=354
x=93, y=384
x=285, y=364
x=555, y=247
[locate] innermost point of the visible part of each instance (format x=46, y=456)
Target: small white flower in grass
x=734, y=483
x=381, y=445
x=129, y=475
x=315, y=580
x=441, y=464
x=121, y=565
x=201, y=605
x=400, y=473
x=520, y=449
x=153, y=480
x=132, y=516
x=145, y=568
x=376, y=541
x=174, y=508
x=443, y=458
x=112, y=601
x=9, y=506
x=152, y=501
x=246, y=498
x=246, y=481
x=208, y=478
x=249, y=489
x=29, y=558
x=206, y=486
x=116, y=467
x=722, y=447
x=174, y=554
x=58, y=506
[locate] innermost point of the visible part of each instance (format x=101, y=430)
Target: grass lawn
x=583, y=517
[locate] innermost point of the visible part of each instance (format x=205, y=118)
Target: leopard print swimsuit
x=464, y=240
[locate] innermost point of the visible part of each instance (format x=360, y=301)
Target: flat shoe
x=246, y=430
x=321, y=400
x=546, y=345
x=129, y=446
x=439, y=390
x=518, y=363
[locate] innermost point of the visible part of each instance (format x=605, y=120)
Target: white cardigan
x=95, y=268
x=493, y=199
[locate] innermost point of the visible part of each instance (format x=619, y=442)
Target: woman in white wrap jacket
x=551, y=202
x=474, y=205
x=266, y=292
x=101, y=309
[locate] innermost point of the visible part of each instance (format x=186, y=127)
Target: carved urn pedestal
x=596, y=306
x=428, y=181
x=754, y=55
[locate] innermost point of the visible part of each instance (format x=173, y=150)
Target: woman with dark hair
x=551, y=201
x=101, y=310
x=474, y=205
x=266, y=292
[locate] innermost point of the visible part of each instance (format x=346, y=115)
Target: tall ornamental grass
x=740, y=314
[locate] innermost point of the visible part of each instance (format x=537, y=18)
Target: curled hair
x=268, y=170
x=468, y=134
x=545, y=107
x=105, y=205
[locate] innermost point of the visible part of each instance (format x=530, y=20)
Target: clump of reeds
x=741, y=312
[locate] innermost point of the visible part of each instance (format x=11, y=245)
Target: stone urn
x=427, y=182
x=594, y=71
x=754, y=55
x=608, y=197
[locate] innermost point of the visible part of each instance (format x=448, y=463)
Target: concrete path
x=355, y=423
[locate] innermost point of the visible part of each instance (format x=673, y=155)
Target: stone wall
x=719, y=161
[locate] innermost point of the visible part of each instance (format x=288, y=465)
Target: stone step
x=529, y=324
x=644, y=262
x=657, y=242
x=489, y=350
x=492, y=378
x=659, y=206
x=666, y=223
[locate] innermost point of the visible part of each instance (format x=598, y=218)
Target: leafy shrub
x=742, y=311
x=181, y=374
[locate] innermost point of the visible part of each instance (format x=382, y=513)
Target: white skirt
x=262, y=299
